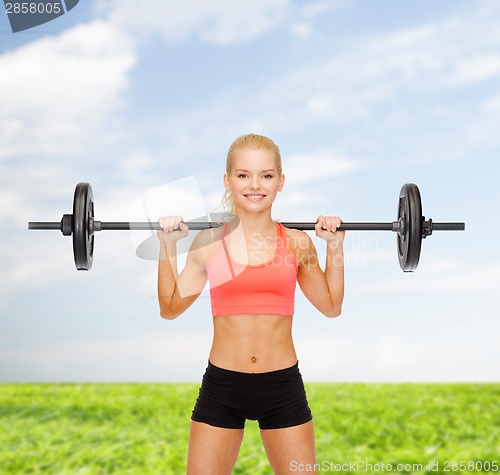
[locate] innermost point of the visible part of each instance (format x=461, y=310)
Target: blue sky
x=143, y=103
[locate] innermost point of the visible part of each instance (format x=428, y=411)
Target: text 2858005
x=32, y=7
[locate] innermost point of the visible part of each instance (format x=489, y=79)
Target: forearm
x=167, y=276
x=334, y=273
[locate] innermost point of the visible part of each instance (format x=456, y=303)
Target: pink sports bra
x=266, y=289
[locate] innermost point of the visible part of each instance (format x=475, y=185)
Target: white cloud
x=460, y=356
x=367, y=84
x=41, y=261
x=313, y=9
x=224, y=21
x=444, y=276
x=475, y=69
x=56, y=92
x=143, y=358
x=491, y=104
x=59, y=95
x=137, y=165
x=301, y=30
x=312, y=166
x=184, y=195
x=44, y=190
x=376, y=73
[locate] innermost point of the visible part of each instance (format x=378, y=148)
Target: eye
x=268, y=176
x=242, y=175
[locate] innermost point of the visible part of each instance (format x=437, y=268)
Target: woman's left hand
x=326, y=228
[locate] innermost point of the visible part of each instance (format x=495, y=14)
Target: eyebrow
x=248, y=171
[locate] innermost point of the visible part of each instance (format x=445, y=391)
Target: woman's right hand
x=173, y=229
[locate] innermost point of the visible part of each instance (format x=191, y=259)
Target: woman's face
x=254, y=180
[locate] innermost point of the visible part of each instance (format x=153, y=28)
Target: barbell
x=411, y=226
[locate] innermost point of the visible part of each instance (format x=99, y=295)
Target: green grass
x=90, y=429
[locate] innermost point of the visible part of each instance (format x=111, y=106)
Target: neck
x=255, y=222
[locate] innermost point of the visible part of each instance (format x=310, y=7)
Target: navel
x=253, y=359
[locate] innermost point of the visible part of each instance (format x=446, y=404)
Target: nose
x=255, y=184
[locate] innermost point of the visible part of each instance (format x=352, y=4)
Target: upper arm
x=311, y=278
x=192, y=279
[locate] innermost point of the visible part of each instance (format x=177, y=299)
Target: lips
x=254, y=197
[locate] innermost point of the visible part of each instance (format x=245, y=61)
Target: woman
x=252, y=264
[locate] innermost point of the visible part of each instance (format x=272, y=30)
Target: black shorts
x=276, y=399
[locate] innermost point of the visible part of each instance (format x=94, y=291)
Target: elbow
x=168, y=314
x=333, y=312
x=168, y=309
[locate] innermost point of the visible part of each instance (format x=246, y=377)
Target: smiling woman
x=249, y=144
x=253, y=264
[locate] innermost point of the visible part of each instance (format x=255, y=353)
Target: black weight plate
x=410, y=239
x=83, y=214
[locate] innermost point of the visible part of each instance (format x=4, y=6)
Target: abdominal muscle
x=253, y=343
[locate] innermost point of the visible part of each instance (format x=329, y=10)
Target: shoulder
x=208, y=236
x=204, y=244
x=297, y=237
x=300, y=243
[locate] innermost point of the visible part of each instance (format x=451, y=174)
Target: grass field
x=143, y=428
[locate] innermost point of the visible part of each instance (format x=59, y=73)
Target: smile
x=255, y=197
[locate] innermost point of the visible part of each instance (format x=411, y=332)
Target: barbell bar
x=411, y=226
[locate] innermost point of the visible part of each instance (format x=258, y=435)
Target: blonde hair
x=248, y=141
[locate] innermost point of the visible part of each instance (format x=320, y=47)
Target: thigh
x=212, y=450
x=281, y=401
x=289, y=447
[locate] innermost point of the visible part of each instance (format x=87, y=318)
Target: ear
x=226, y=182
x=282, y=182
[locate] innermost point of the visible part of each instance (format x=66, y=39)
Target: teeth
x=254, y=197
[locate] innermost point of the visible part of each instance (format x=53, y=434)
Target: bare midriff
x=253, y=343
